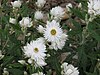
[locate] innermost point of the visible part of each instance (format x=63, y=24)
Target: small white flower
x=54, y=34
x=25, y=22
x=38, y=15
x=68, y=69
x=22, y=62
x=80, y=5
x=48, y=55
x=12, y=20
x=68, y=6
x=30, y=61
x=1, y=56
x=25, y=73
x=16, y=4
x=5, y=72
x=94, y=7
x=57, y=12
x=40, y=3
x=40, y=29
x=28, y=34
x=35, y=50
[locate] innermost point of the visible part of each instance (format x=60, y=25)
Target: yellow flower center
x=36, y=50
x=53, y=32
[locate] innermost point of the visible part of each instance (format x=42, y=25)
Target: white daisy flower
x=12, y=20
x=35, y=50
x=40, y=3
x=25, y=22
x=57, y=12
x=52, y=31
x=16, y=4
x=38, y=15
x=40, y=73
x=68, y=69
x=94, y=7
x=54, y=34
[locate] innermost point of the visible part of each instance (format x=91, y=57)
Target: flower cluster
x=52, y=32
x=34, y=40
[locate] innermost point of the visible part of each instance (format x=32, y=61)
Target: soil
x=52, y=3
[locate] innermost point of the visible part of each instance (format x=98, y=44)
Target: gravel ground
x=52, y=3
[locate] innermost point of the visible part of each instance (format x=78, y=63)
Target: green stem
x=85, y=30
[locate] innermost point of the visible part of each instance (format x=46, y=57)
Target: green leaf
x=16, y=65
x=89, y=73
x=54, y=63
x=82, y=58
x=78, y=13
x=15, y=71
x=16, y=27
x=92, y=30
x=77, y=28
x=7, y=60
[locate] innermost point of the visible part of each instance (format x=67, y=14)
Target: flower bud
x=38, y=15
x=12, y=20
x=16, y=4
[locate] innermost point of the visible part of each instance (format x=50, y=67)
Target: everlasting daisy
x=35, y=50
x=54, y=34
x=16, y=4
x=52, y=31
x=57, y=12
x=40, y=3
x=68, y=69
x=25, y=22
x=38, y=15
